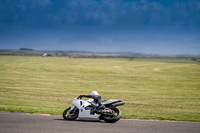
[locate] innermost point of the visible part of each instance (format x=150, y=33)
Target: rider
x=97, y=99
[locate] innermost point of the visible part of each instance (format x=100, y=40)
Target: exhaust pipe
x=118, y=104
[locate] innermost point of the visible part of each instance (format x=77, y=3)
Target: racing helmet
x=94, y=93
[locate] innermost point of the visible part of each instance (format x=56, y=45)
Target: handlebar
x=79, y=97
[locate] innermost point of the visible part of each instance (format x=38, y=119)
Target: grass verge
x=163, y=90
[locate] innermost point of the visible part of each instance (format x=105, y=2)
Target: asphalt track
x=34, y=123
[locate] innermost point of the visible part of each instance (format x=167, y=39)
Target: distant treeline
x=26, y=49
x=83, y=54
x=196, y=59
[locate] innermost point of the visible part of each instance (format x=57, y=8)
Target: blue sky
x=145, y=26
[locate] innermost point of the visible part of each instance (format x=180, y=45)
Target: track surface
x=29, y=123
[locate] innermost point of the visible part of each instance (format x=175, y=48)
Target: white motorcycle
x=88, y=110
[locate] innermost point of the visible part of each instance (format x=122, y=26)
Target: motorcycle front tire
x=70, y=117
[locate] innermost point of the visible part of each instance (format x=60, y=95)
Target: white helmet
x=94, y=93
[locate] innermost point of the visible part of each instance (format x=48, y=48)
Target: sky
x=139, y=26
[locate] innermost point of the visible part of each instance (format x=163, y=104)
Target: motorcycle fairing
x=83, y=113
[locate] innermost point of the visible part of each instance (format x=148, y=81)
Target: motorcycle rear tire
x=114, y=119
x=67, y=117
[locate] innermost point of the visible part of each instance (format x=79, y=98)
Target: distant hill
x=85, y=54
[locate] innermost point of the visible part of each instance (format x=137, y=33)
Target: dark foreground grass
x=151, y=89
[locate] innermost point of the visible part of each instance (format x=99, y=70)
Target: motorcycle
x=88, y=110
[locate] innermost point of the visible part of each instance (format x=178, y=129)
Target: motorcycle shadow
x=97, y=121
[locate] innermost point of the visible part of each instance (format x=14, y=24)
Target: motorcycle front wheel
x=114, y=117
x=70, y=115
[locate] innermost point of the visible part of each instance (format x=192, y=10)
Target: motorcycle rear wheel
x=112, y=118
x=70, y=115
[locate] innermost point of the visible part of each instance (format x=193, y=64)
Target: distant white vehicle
x=44, y=55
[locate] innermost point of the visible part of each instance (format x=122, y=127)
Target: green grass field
x=164, y=89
